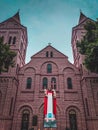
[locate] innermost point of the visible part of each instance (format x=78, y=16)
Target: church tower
x=77, y=34
x=15, y=34
x=89, y=80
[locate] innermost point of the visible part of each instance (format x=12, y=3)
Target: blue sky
x=49, y=21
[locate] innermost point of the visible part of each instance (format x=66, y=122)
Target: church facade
x=22, y=87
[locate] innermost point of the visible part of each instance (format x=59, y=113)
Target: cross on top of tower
x=49, y=44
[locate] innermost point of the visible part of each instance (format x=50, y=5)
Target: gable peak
x=50, y=49
x=82, y=17
x=16, y=17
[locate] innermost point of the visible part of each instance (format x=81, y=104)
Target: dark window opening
x=45, y=83
x=69, y=83
x=10, y=39
x=51, y=54
x=53, y=83
x=49, y=68
x=47, y=54
x=25, y=120
x=72, y=120
x=29, y=83
x=31, y=129
x=34, y=121
x=14, y=40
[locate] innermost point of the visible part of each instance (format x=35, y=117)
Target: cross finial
x=49, y=44
x=18, y=10
x=80, y=10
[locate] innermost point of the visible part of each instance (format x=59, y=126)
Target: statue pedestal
x=50, y=124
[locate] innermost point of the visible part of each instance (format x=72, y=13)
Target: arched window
x=49, y=68
x=45, y=83
x=53, y=83
x=47, y=54
x=10, y=39
x=25, y=120
x=29, y=83
x=69, y=83
x=51, y=54
x=14, y=40
x=34, y=121
x=72, y=120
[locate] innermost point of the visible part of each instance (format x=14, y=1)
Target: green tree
x=6, y=56
x=88, y=46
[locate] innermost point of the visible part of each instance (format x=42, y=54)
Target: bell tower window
x=14, y=40
x=10, y=39
x=51, y=54
x=47, y=54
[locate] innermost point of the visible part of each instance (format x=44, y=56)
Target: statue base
x=50, y=122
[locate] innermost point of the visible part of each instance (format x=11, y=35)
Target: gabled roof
x=15, y=18
x=49, y=48
x=82, y=20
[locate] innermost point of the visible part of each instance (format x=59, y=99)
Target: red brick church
x=22, y=87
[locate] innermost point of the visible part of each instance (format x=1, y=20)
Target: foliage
x=88, y=46
x=6, y=56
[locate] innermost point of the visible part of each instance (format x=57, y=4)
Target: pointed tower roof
x=82, y=17
x=16, y=17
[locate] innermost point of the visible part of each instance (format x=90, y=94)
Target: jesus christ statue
x=50, y=108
